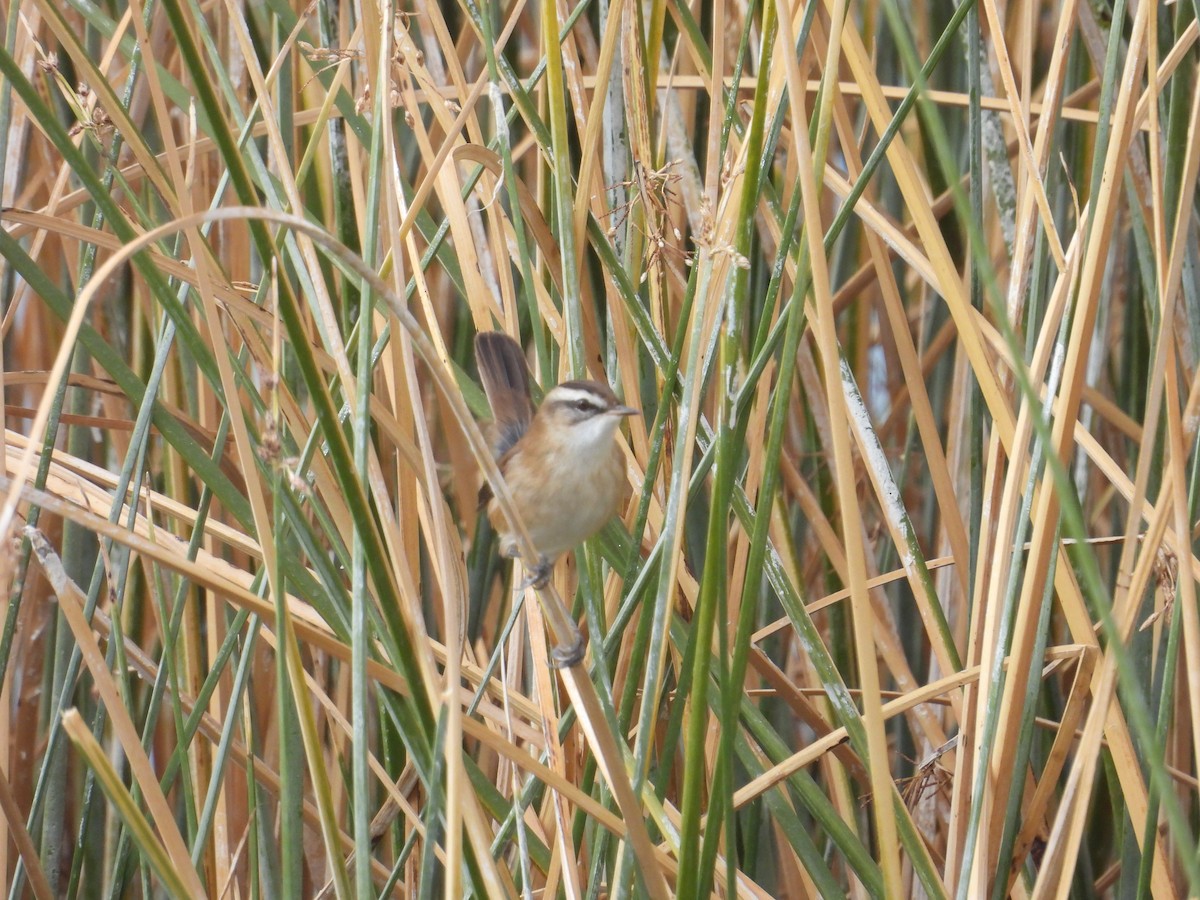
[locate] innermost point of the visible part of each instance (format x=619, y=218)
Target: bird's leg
x=562, y=656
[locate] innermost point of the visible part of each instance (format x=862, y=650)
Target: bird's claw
x=566, y=656
x=539, y=575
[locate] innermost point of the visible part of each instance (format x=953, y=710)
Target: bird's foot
x=566, y=656
x=538, y=574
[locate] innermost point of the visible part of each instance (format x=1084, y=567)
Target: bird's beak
x=623, y=411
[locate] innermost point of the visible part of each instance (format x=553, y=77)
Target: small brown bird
x=562, y=465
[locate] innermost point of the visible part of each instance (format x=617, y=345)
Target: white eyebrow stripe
x=562, y=394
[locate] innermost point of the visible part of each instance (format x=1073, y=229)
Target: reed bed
x=903, y=603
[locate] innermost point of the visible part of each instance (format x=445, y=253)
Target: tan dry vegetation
x=916, y=470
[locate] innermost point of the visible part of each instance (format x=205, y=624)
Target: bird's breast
x=561, y=499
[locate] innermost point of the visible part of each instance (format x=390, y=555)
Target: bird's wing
x=506, y=382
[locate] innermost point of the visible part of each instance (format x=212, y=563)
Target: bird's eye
x=583, y=405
